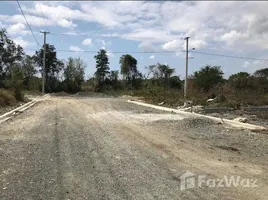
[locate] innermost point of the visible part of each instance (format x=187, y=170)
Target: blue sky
x=231, y=28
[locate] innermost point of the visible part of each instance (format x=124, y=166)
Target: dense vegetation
x=20, y=72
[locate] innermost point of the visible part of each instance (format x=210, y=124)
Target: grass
x=10, y=97
x=225, y=98
x=7, y=98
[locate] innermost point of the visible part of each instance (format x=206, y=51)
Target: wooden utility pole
x=186, y=70
x=44, y=62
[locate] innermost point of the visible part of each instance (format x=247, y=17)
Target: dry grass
x=227, y=97
x=7, y=98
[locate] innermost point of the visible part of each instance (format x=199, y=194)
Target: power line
x=36, y=12
x=156, y=52
x=28, y=23
x=228, y=56
x=71, y=35
x=43, y=16
x=95, y=51
x=34, y=19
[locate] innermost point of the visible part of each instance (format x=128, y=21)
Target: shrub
x=18, y=94
x=7, y=98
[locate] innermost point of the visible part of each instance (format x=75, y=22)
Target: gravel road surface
x=105, y=148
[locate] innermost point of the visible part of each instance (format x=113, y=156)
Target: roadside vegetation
x=159, y=84
x=21, y=73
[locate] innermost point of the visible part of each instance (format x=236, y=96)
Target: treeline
x=19, y=71
x=160, y=84
x=129, y=77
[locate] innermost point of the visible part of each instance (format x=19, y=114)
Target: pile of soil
x=59, y=94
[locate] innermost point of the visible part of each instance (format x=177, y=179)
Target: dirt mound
x=59, y=94
x=89, y=94
x=84, y=94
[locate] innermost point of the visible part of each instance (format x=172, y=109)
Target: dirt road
x=106, y=148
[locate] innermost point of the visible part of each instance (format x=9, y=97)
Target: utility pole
x=44, y=62
x=186, y=71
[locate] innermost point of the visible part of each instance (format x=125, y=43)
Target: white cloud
x=148, y=46
x=231, y=37
x=103, y=42
x=246, y=64
x=162, y=24
x=75, y=48
x=110, y=54
x=179, y=45
x=152, y=57
x=252, y=66
x=87, y=41
x=173, y=45
x=66, y=23
x=17, y=29
x=2, y=25
x=32, y=20
x=21, y=42
x=197, y=44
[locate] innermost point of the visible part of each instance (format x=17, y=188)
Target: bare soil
x=105, y=148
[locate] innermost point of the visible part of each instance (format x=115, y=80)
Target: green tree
x=261, y=80
x=10, y=56
x=175, y=82
x=102, y=66
x=114, y=79
x=262, y=73
x=208, y=77
x=161, y=73
x=74, y=74
x=128, y=66
x=52, y=68
x=165, y=71
x=241, y=80
x=114, y=76
x=28, y=69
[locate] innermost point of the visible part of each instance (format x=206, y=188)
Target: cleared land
x=105, y=148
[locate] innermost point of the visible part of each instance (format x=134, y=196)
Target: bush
x=7, y=98
x=19, y=96
x=208, y=77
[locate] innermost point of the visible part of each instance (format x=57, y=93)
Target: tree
x=102, y=66
x=161, y=73
x=261, y=79
x=10, y=56
x=165, y=71
x=175, y=82
x=113, y=78
x=28, y=69
x=208, y=77
x=74, y=74
x=114, y=75
x=128, y=66
x=262, y=73
x=241, y=80
x=52, y=68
